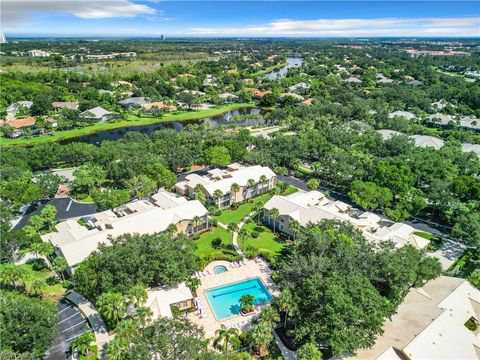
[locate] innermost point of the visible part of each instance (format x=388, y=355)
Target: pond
x=116, y=134
x=291, y=62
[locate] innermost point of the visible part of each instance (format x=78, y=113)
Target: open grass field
x=132, y=121
x=243, y=210
x=205, y=248
x=266, y=240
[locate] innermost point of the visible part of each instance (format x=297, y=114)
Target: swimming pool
x=225, y=300
x=219, y=269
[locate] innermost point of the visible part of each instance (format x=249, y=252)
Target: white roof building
x=160, y=299
x=471, y=122
x=426, y=141
x=471, y=148
x=76, y=242
x=312, y=207
x=442, y=119
x=430, y=324
x=95, y=113
x=405, y=114
x=15, y=107
x=387, y=134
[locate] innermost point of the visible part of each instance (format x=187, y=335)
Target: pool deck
x=251, y=270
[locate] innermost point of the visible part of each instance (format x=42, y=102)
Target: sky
x=241, y=18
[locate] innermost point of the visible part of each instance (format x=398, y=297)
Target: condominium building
x=313, y=207
x=76, y=241
x=218, y=184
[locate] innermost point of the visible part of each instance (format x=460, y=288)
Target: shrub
x=254, y=234
x=213, y=222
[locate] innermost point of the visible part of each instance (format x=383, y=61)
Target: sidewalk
x=287, y=354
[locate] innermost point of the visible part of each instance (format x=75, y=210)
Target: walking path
x=287, y=354
x=96, y=321
x=235, y=233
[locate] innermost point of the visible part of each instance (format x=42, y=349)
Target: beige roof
x=77, y=242
x=405, y=114
x=388, y=134
x=425, y=141
x=161, y=298
x=430, y=324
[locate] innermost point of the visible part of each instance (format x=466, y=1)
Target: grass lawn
x=53, y=290
x=133, y=120
x=205, y=250
x=266, y=240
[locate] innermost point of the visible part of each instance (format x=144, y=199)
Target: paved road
x=66, y=208
x=71, y=324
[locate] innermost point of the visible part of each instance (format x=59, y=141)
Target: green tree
x=11, y=274
x=217, y=195
x=224, y=337
x=217, y=156
x=88, y=177
x=313, y=184
x=83, y=342
x=125, y=331
x=143, y=315
x=270, y=315
x=274, y=214
x=162, y=176
x=37, y=286
x=60, y=265
x=48, y=214
x=193, y=283
x=369, y=195
x=112, y=307
x=246, y=303
x=309, y=351
x=261, y=336
x=196, y=221
x=110, y=198
x=235, y=188
x=467, y=228
x=141, y=186
x=137, y=295
x=285, y=303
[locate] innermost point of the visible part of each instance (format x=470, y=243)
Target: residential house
x=414, y=83
x=426, y=141
x=403, y=114
x=306, y=102
x=162, y=299
x=133, y=102
x=313, y=207
x=76, y=242
x=96, y=114
x=257, y=94
x=352, y=80
x=158, y=106
x=439, y=105
x=213, y=181
x=302, y=87
x=387, y=134
x=103, y=91
x=382, y=80
x=470, y=122
x=38, y=53
x=15, y=108
x=228, y=97
x=431, y=323
x=475, y=148
x=59, y=105
x=441, y=119
x=23, y=126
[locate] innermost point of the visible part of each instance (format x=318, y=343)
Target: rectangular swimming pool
x=225, y=300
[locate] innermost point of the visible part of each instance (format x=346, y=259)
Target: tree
x=37, y=286
x=143, y=315
x=467, y=228
x=313, y=184
x=137, y=295
x=88, y=177
x=251, y=183
x=223, y=339
x=125, y=331
x=141, y=186
x=232, y=227
x=60, y=265
x=193, y=283
x=295, y=227
x=48, y=183
x=369, y=195
x=246, y=303
x=161, y=175
x=285, y=303
x=243, y=235
x=172, y=229
x=217, y=195
x=11, y=274
x=261, y=336
x=309, y=351
x=234, y=189
x=110, y=198
x=270, y=315
x=263, y=180
x=274, y=214
x=83, y=342
x=217, y=156
x=29, y=325
x=48, y=214
x=112, y=307
x=196, y=220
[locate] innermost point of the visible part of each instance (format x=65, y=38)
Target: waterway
x=291, y=63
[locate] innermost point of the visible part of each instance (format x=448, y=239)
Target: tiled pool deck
x=251, y=270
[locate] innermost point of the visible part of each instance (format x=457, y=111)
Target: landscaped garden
x=215, y=244
x=262, y=240
x=42, y=281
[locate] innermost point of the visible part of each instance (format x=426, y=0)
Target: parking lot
x=71, y=324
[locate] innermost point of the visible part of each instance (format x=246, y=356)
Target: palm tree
x=261, y=336
x=125, y=331
x=224, y=336
x=285, y=303
x=142, y=316
x=82, y=343
x=270, y=315
x=112, y=307
x=195, y=222
x=233, y=227
x=60, y=265
x=246, y=303
x=274, y=214
x=37, y=286
x=171, y=229
x=137, y=295
x=193, y=283
x=116, y=349
x=217, y=195
x=234, y=189
x=251, y=183
x=263, y=180
x=243, y=235
x=295, y=227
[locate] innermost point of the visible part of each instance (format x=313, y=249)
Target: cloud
x=353, y=27
x=14, y=13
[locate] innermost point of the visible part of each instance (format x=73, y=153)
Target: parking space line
x=81, y=322
x=69, y=317
x=70, y=306
x=73, y=337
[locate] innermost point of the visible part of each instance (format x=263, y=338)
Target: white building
x=426, y=141
x=313, y=207
x=96, y=114
x=404, y=114
x=431, y=324
x=38, y=53
x=161, y=300
x=247, y=177
x=76, y=242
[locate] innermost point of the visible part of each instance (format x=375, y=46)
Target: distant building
x=96, y=114
x=3, y=39
x=352, y=80
x=23, y=126
x=38, y=53
x=133, y=102
x=58, y=105
x=161, y=300
x=431, y=323
x=14, y=108
x=402, y=114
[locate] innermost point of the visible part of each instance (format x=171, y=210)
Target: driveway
x=66, y=208
x=71, y=324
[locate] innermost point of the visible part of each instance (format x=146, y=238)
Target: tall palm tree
x=223, y=339
x=261, y=336
x=270, y=315
x=193, y=283
x=116, y=349
x=195, y=222
x=217, y=195
x=243, y=235
x=137, y=295
x=285, y=303
x=125, y=331
x=112, y=307
x=13, y=274
x=234, y=189
x=171, y=229
x=251, y=183
x=274, y=214
x=294, y=225
x=60, y=265
x=233, y=227
x=142, y=316
x=82, y=343
x=246, y=302
x=263, y=181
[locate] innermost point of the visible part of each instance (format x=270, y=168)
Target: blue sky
x=240, y=18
